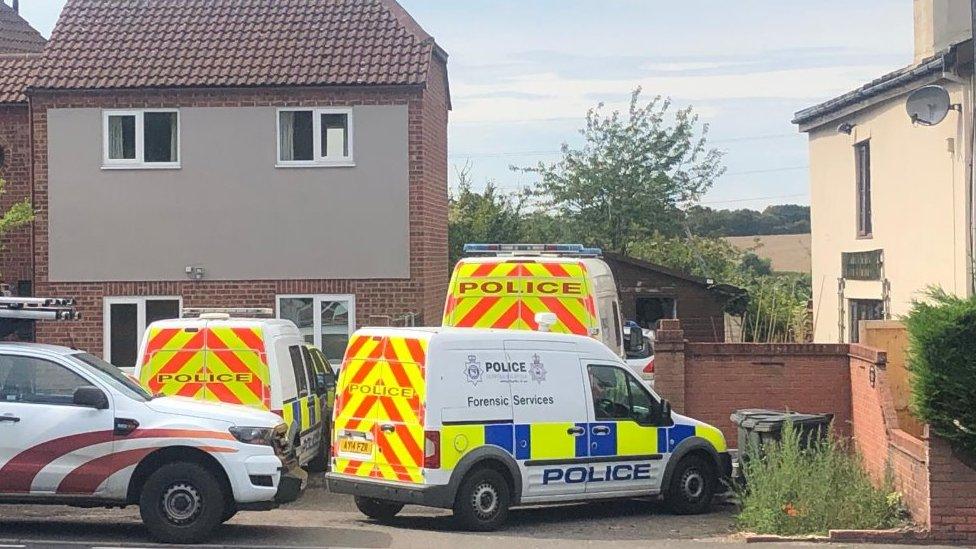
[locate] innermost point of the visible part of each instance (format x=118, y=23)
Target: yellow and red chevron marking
x=383, y=382
x=224, y=364
x=508, y=295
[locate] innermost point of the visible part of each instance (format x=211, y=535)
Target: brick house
x=289, y=155
x=20, y=46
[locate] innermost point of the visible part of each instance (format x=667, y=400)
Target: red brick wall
x=953, y=495
x=883, y=446
x=15, y=256
x=719, y=378
x=376, y=300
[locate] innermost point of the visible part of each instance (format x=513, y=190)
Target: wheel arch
x=494, y=457
x=173, y=454
x=690, y=446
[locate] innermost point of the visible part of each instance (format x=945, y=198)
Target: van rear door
x=354, y=444
x=236, y=366
x=173, y=361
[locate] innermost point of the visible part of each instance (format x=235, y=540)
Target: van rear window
x=298, y=367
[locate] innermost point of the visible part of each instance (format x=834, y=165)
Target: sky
x=524, y=73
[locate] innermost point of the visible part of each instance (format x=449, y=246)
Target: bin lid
x=771, y=421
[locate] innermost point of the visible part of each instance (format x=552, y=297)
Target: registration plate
x=354, y=446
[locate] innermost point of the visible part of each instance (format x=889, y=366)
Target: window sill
x=313, y=164
x=110, y=167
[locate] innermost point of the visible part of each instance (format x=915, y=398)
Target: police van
x=481, y=420
x=261, y=363
x=75, y=430
x=505, y=285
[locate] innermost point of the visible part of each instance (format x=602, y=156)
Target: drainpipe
x=972, y=159
x=16, y=6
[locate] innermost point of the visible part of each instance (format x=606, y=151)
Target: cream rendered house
x=892, y=201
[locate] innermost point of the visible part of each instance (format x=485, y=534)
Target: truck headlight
x=263, y=436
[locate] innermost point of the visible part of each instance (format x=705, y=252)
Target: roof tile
x=216, y=43
x=15, y=73
x=16, y=34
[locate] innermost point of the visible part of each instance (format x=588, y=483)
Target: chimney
x=940, y=24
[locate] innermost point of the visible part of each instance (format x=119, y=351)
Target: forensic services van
x=75, y=430
x=481, y=420
x=261, y=363
x=505, y=285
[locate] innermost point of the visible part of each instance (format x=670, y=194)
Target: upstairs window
x=862, y=162
x=141, y=139
x=315, y=137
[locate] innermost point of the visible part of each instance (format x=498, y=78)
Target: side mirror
x=90, y=397
x=665, y=410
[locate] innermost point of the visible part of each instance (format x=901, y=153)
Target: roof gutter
x=938, y=67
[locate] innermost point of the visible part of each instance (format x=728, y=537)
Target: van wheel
x=181, y=502
x=692, y=486
x=377, y=509
x=320, y=462
x=482, y=501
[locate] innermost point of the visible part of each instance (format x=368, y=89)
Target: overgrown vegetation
x=791, y=490
x=942, y=359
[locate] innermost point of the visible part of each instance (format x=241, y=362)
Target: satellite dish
x=928, y=105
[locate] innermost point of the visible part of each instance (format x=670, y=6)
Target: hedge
x=942, y=361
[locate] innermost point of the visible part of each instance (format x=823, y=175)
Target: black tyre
x=229, y=512
x=482, y=501
x=692, y=486
x=181, y=502
x=320, y=462
x=377, y=509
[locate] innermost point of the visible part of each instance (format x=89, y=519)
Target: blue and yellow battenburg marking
x=550, y=440
x=304, y=410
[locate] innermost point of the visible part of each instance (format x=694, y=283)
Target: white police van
x=481, y=420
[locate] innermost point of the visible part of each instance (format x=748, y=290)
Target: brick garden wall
x=708, y=381
x=15, y=256
x=377, y=301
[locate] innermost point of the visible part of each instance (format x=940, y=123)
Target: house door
x=125, y=323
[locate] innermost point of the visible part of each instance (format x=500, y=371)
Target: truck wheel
x=482, y=501
x=377, y=509
x=692, y=486
x=181, y=502
x=229, y=511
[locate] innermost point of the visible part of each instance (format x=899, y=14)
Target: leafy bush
x=942, y=358
x=790, y=490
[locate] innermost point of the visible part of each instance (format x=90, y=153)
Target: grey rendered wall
x=228, y=208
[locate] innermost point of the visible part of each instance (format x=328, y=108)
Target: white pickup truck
x=74, y=430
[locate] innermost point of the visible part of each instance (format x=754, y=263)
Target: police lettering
x=514, y=287
x=598, y=473
x=501, y=367
x=382, y=390
x=204, y=377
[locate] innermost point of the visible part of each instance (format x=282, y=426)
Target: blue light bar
x=562, y=249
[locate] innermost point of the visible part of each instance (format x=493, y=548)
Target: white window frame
x=317, y=161
x=317, y=300
x=139, y=163
x=140, y=303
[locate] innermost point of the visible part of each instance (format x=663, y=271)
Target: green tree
x=782, y=219
x=18, y=215
x=488, y=216
x=631, y=175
